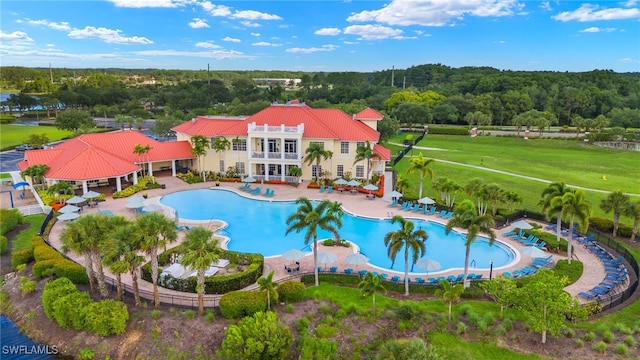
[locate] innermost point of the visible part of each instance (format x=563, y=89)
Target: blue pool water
x=259, y=227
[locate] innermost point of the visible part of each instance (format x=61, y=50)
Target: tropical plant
x=465, y=216
x=502, y=289
x=494, y=195
x=312, y=218
x=221, y=144
x=36, y=172
x=576, y=208
x=449, y=293
x=156, y=232
x=260, y=336
x=615, y=202
x=295, y=171
x=267, y=284
x=402, y=183
x=421, y=165
x=141, y=150
x=62, y=188
x=448, y=189
x=409, y=239
x=633, y=211
x=371, y=285
x=314, y=154
x=199, y=145
x=365, y=153
x=73, y=240
x=200, y=250
x=113, y=249
x=554, y=190
x=121, y=250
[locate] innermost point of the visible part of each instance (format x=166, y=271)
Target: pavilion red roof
x=384, y=153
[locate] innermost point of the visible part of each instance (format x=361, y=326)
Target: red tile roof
x=384, y=153
x=369, y=114
x=95, y=156
x=318, y=123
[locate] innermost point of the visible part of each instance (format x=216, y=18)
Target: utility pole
x=208, y=77
x=404, y=82
x=392, y=74
x=50, y=73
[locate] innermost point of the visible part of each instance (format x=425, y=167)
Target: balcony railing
x=252, y=128
x=274, y=155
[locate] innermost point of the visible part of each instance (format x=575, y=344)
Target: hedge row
x=9, y=219
x=239, y=304
x=354, y=280
x=218, y=284
x=606, y=226
x=63, y=303
x=448, y=130
x=50, y=262
x=144, y=183
x=291, y=291
x=4, y=243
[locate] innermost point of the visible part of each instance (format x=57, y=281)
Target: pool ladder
x=473, y=263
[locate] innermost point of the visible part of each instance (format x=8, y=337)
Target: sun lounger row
x=329, y=189
x=525, y=271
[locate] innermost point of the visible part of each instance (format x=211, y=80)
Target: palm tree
x=141, y=150
x=421, y=165
x=310, y=218
x=475, y=189
x=122, y=249
x=314, y=154
x=335, y=208
x=36, y=172
x=617, y=202
x=633, y=211
x=575, y=207
x=236, y=141
x=449, y=293
x=295, y=171
x=113, y=249
x=200, y=251
x=409, y=239
x=267, y=284
x=554, y=190
x=156, y=232
x=512, y=198
x=365, y=153
x=466, y=216
x=62, y=188
x=370, y=285
x=73, y=240
x=493, y=195
x=448, y=189
x=199, y=145
x=402, y=183
x=221, y=144
x=122, y=119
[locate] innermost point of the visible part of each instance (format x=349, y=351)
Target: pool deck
x=357, y=204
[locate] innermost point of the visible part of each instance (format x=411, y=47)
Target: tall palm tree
x=465, y=216
x=449, y=293
x=122, y=250
x=221, y=144
x=633, y=211
x=476, y=190
x=236, y=141
x=313, y=218
x=73, y=240
x=36, y=172
x=314, y=154
x=617, y=202
x=402, y=183
x=201, y=249
x=112, y=249
x=575, y=207
x=554, y=190
x=448, y=189
x=409, y=239
x=267, y=284
x=141, y=150
x=199, y=145
x=421, y=165
x=365, y=153
x=494, y=195
x=371, y=285
x=156, y=232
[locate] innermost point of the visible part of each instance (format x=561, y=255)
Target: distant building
x=275, y=81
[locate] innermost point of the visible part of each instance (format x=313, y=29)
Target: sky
x=327, y=36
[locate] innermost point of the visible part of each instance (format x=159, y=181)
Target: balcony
x=252, y=128
x=275, y=155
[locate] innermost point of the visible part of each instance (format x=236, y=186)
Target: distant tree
x=314, y=154
x=366, y=153
x=141, y=150
x=162, y=126
x=615, y=202
x=37, y=141
x=73, y=120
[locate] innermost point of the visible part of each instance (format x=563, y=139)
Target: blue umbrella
x=20, y=184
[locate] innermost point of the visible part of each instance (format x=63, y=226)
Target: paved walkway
x=594, y=271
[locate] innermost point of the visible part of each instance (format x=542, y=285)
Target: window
x=359, y=171
x=316, y=170
x=240, y=146
x=272, y=169
x=319, y=143
x=344, y=147
x=290, y=146
x=240, y=167
x=340, y=170
x=222, y=166
x=360, y=144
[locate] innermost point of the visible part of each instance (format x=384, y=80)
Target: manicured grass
x=5, y=175
x=23, y=239
x=451, y=347
x=14, y=135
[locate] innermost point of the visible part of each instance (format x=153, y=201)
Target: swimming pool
x=259, y=227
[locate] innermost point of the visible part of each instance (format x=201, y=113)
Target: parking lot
x=9, y=160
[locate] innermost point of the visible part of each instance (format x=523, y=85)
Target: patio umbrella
x=21, y=184
x=370, y=187
x=395, y=194
x=249, y=179
x=521, y=224
x=353, y=183
x=532, y=251
x=292, y=255
x=428, y=265
x=135, y=198
x=340, y=181
x=134, y=205
x=69, y=209
x=91, y=194
x=427, y=201
x=151, y=208
x=326, y=258
x=76, y=200
x=68, y=216
x=356, y=259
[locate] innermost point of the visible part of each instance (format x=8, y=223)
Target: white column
x=118, y=183
x=85, y=189
x=150, y=167
x=282, y=172
x=173, y=168
x=266, y=171
x=299, y=148
x=135, y=177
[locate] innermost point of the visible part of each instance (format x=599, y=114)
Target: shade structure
x=69, y=209
x=21, y=184
x=340, y=181
x=91, y=194
x=76, y=200
x=135, y=198
x=370, y=187
x=134, y=205
x=428, y=264
x=68, y=216
x=353, y=183
x=151, y=208
x=395, y=194
x=521, y=224
x=249, y=179
x=326, y=258
x=427, y=201
x=356, y=259
x=292, y=255
x=532, y=251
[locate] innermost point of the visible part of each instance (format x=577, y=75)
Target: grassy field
x=570, y=161
x=14, y=135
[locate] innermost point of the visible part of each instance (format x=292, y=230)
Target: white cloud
x=545, y=5
x=250, y=23
x=310, y=50
x=217, y=54
x=328, y=31
x=435, y=13
x=264, y=43
x=595, y=29
x=351, y=42
x=64, y=26
x=588, y=12
x=254, y=15
x=215, y=10
x=255, y=34
x=198, y=23
x=372, y=32
x=207, y=45
x=14, y=36
x=149, y=3
x=107, y=35
x=629, y=61
x=230, y=39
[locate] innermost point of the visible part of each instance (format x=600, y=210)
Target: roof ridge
x=311, y=112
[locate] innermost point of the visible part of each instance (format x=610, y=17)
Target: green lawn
x=556, y=160
x=23, y=239
x=14, y=135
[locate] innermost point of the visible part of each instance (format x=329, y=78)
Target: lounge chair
x=442, y=213
x=384, y=276
x=433, y=281
x=321, y=188
x=256, y=191
x=106, y=212
x=333, y=269
x=395, y=278
x=451, y=278
x=448, y=215
x=432, y=211
x=420, y=280
x=509, y=275
x=362, y=272
x=348, y=271
x=181, y=227
x=245, y=186
x=509, y=233
x=248, y=189
x=541, y=245
x=393, y=203
x=417, y=208
x=586, y=295
x=424, y=209
x=330, y=189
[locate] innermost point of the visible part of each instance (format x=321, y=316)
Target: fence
x=407, y=149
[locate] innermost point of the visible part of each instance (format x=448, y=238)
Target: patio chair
x=395, y=278
x=256, y=191
x=330, y=189
x=509, y=233
x=384, y=276
x=448, y=215
x=451, y=278
x=362, y=272
x=321, y=188
x=432, y=211
x=348, y=271
x=417, y=208
x=244, y=187
x=586, y=295
x=420, y=280
x=442, y=213
x=433, y=281
x=333, y=269
x=541, y=245
x=509, y=275
x=393, y=203
x=424, y=209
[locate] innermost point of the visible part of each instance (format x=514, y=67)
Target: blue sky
x=321, y=35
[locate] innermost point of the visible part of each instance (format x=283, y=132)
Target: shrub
x=74, y=272
x=328, y=242
x=621, y=349
x=629, y=340
x=106, y=317
x=473, y=292
x=607, y=336
x=43, y=268
x=68, y=310
x=237, y=304
x=9, y=219
x=189, y=314
x=27, y=286
x=21, y=257
x=155, y=314
x=302, y=324
x=448, y=130
x=507, y=323
x=461, y=328
x=579, y=343
x=406, y=349
x=260, y=336
x=600, y=347
x=209, y=316
x=291, y=291
x=86, y=354
x=53, y=290
x=4, y=243
x=406, y=311
x=45, y=252
x=311, y=348
x=590, y=336
x=324, y=331
x=602, y=224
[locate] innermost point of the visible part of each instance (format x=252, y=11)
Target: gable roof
x=385, y=154
x=318, y=123
x=369, y=114
x=95, y=156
